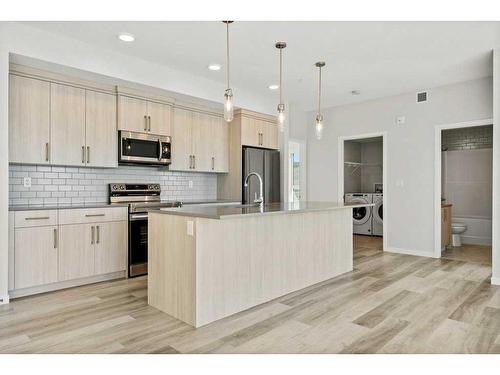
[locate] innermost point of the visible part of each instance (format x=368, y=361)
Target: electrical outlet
x=27, y=182
x=190, y=184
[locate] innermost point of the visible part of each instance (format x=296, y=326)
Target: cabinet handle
x=149, y=123
x=145, y=123
x=213, y=163
x=190, y=161
x=47, y=151
x=88, y=154
x=92, y=235
x=83, y=154
x=194, y=161
x=55, y=238
x=37, y=218
x=98, y=231
x=94, y=215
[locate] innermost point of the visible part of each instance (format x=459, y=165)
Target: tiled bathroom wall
x=472, y=138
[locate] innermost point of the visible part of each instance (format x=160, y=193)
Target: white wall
x=4, y=166
x=495, y=279
x=410, y=152
x=352, y=178
x=371, y=153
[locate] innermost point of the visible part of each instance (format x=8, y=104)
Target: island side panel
x=242, y=262
x=171, y=266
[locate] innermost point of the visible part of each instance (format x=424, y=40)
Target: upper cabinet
x=29, y=120
x=67, y=125
x=100, y=124
x=200, y=141
x=144, y=116
x=60, y=124
x=257, y=132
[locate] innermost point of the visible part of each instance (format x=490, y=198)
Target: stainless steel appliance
x=141, y=148
x=141, y=199
x=267, y=164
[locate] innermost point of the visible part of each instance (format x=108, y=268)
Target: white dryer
x=378, y=215
x=361, y=216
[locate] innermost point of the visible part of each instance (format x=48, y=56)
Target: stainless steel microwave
x=141, y=148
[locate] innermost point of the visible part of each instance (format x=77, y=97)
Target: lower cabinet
x=36, y=254
x=111, y=247
x=54, y=249
x=76, y=251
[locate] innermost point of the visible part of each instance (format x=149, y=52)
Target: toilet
x=456, y=230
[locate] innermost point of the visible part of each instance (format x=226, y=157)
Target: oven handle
x=135, y=217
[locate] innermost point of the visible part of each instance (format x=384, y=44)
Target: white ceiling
x=377, y=58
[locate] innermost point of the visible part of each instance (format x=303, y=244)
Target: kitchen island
x=209, y=262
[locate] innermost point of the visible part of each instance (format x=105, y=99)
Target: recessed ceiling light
x=214, y=67
x=274, y=87
x=355, y=92
x=124, y=37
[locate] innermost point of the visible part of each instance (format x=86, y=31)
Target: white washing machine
x=361, y=216
x=378, y=215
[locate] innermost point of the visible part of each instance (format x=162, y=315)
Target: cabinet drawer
x=92, y=215
x=36, y=218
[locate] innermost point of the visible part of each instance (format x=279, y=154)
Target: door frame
x=340, y=171
x=437, y=179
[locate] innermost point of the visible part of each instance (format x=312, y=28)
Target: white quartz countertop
x=239, y=210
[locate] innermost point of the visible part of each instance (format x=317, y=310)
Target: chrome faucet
x=260, y=199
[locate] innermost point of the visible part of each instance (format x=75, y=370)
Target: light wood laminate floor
x=390, y=303
x=469, y=253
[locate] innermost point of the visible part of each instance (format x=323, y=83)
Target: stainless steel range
x=141, y=199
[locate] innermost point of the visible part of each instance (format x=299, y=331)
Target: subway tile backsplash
x=470, y=138
x=68, y=185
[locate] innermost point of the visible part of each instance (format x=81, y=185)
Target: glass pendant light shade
x=281, y=106
x=319, y=127
x=281, y=117
x=228, y=105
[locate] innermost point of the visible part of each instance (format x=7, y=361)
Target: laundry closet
x=363, y=176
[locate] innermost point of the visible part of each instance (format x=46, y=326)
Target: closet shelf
x=356, y=165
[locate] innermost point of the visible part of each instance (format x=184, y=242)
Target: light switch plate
x=190, y=228
x=400, y=120
x=27, y=182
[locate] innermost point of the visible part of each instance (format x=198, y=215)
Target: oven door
x=138, y=244
x=143, y=148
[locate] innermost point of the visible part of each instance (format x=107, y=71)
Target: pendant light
x=319, y=116
x=281, y=105
x=228, y=94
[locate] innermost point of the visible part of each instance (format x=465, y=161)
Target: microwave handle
x=159, y=149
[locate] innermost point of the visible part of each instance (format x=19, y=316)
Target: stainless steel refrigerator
x=267, y=164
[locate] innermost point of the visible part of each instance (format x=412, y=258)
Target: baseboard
x=495, y=280
x=66, y=284
x=417, y=253
x=4, y=299
x=474, y=240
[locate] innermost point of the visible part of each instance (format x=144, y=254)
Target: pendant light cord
x=319, y=93
x=227, y=53
x=281, y=69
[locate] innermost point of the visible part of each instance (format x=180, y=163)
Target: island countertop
x=242, y=210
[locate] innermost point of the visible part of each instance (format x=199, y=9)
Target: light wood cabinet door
x=101, y=130
x=67, y=125
x=220, y=145
x=36, y=254
x=76, y=251
x=182, y=145
x=29, y=128
x=269, y=134
x=250, y=132
x=203, y=138
x=132, y=114
x=159, y=118
x=110, y=247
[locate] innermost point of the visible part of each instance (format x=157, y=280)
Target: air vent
x=421, y=97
